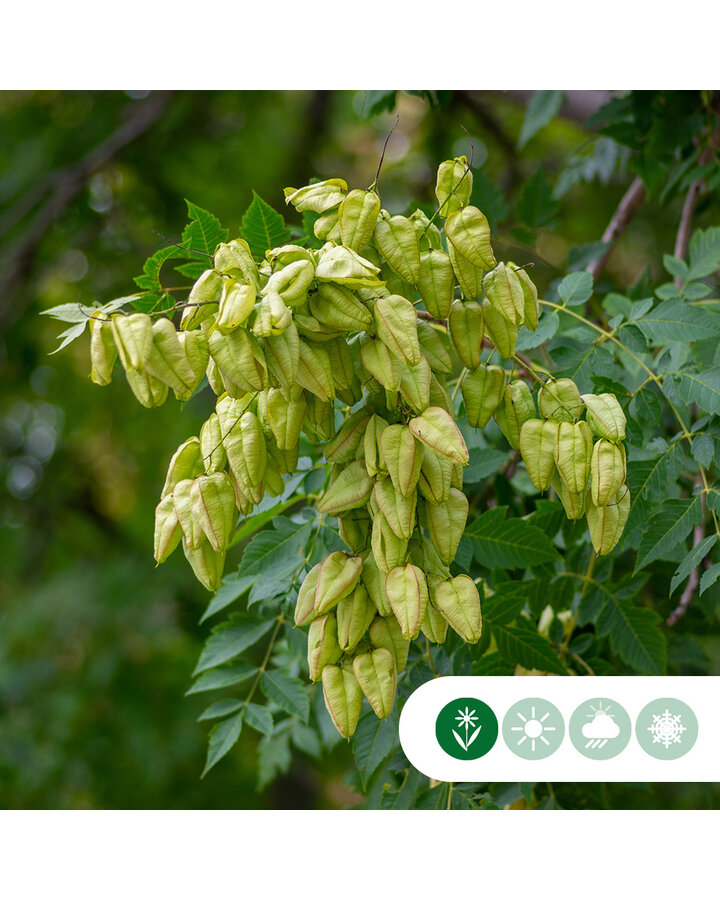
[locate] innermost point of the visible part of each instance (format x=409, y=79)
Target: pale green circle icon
x=600, y=728
x=533, y=728
x=666, y=728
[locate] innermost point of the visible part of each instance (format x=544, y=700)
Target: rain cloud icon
x=600, y=730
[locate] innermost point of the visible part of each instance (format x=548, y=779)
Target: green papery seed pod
x=207, y=564
x=537, y=447
x=337, y=307
x=291, y=283
x=236, y=304
x=133, y=339
x=349, y=491
x=445, y=523
x=433, y=348
x=323, y=647
x=435, y=478
x=203, y=300
x=396, y=321
x=504, y=291
x=186, y=463
x=573, y=454
x=327, y=226
x=573, y=503
x=388, y=549
x=167, y=360
x=428, y=233
x=285, y=418
x=415, y=385
x=453, y=185
x=607, y=471
x=518, y=406
x=374, y=580
x=606, y=523
x=279, y=257
x=402, y=456
x=342, y=362
x=343, y=447
x=467, y=326
x=483, y=390
x=214, y=377
x=183, y=510
x=273, y=482
x=434, y=625
x=468, y=231
x=376, y=675
x=440, y=395
x=271, y=317
x=247, y=454
x=339, y=573
x=385, y=633
x=436, y=283
x=436, y=429
x=194, y=345
x=354, y=615
x=406, y=589
x=319, y=422
x=343, y=698
x=235, y=258
x=285, y=460
x=374, y=460
x=240, y=358
x=354, y=528
x=243, y=501
x=318, y=197
x=305, y=605
x=381, y=363
x=394, y=284
x=309, y=327
x=149, y=391
x=459, y=602
x=398, y=243
x=344, y=266
x=103, y=351
x=560, y=400
x=399, y=511
x=500, y=330
x=358, y=214
x=211, y=446
x=605, y=416
x=531, y=307
x=167, y=529
x=229, y=410
x=469, y=277
x=282, y=356
x=314, y=372
x=212, y=505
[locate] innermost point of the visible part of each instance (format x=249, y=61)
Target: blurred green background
x=96, y=645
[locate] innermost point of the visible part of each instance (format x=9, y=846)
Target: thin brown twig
x=631, y=200
x=682, y=239
x=694, y=579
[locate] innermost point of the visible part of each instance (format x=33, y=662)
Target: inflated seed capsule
x=327, y=226
x=398, y=242
x=323, y=647
x=435, y=480
x=469, y=276
x=386, y=632
x=207, y=564
x=607, y=471
x=374, y=580
x=432, y=347
x=354, y=528
x=415, y=385
x=240, y=359
x=235, y=259
x=186, y=463
x=103, y=351
x=459, y=602
x=349, y=491
x=573, y=454
x=436, y=429
x=482, y=389
x=167, y=360
x=314, y=372
x=396, y=322
x=318, y=197
x=560, y=400
x=197, y=352
x=358, y=214
x=354, y=615
x=453, y=184
x=537, y=447
x=375, y=673
x=504, y=290
x=344, y=266
x=343, y=698
x=133, y=339
x=402, y=455
x=406, y=589
x=436, y=282
x=518, y=406
x=573, y=503
x=282, y=356
x=149, y=391
x=428, y=233
x=203, y=300
x=399, y=510
x=236, y=304
x=467, y=327
x=606, y=523
x=605, y=416
x=381, y=363
x=531, y=307
x=500, y=330
x=435, y=625
x=212, y=505
x=246, y=450
x=305, y=605
x=167, y=529
x=271, y=316
x=445, y=523
x=338, y=307
x=292, y=282
x=468, y=231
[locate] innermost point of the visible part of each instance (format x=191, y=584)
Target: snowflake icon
x=667, y=729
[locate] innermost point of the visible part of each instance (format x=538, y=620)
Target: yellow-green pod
x=436, y=429
x=203, y=299
x=381, y=363
x=406, y=589
x=435, y=479
x=235, y=259
x=402, y=456
x=573, y=454
x=482, y=389
x=305, y=605
x=396, y=321
x=292, y=282
x=349, y=491
x=436, y=282
x=399, y=510
x=415, y=385
x=605, y=416
x=272, y=316
x=459, y=602
x=531, y=306
x=103, y=351
x=314, y=372
x=323, y=647
x=212, y=505
x=573, y=503
x=343, y=698
x=358, y=214
x=453, y=185
x=376, y=675
x=149, y=391
x=337, y=307
x=133, y=338
x=504, y=291
x=354, y=615
x=467, y=327
x=468, y=231
x=236, y=304
x=247, y=454
x=500, y=330
x=518, y=406
x=435, y=625
x=433, y=348
x=318, y=197
x=606, y=523
x=397, y=241
x=469, y=276
x=537, y=447
x=428, y=233
x=168, y=532
x=560, y=400
x=607, y=471
x=207, y=564
x=445, y=523
x=385, y=632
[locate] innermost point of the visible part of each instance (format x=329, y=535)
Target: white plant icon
x=468, y=719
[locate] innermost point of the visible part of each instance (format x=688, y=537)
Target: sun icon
x=533, y=728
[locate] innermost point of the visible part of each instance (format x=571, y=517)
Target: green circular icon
x=666, y=728
x=600, y=728
x=533, y=728
x=466, y=728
